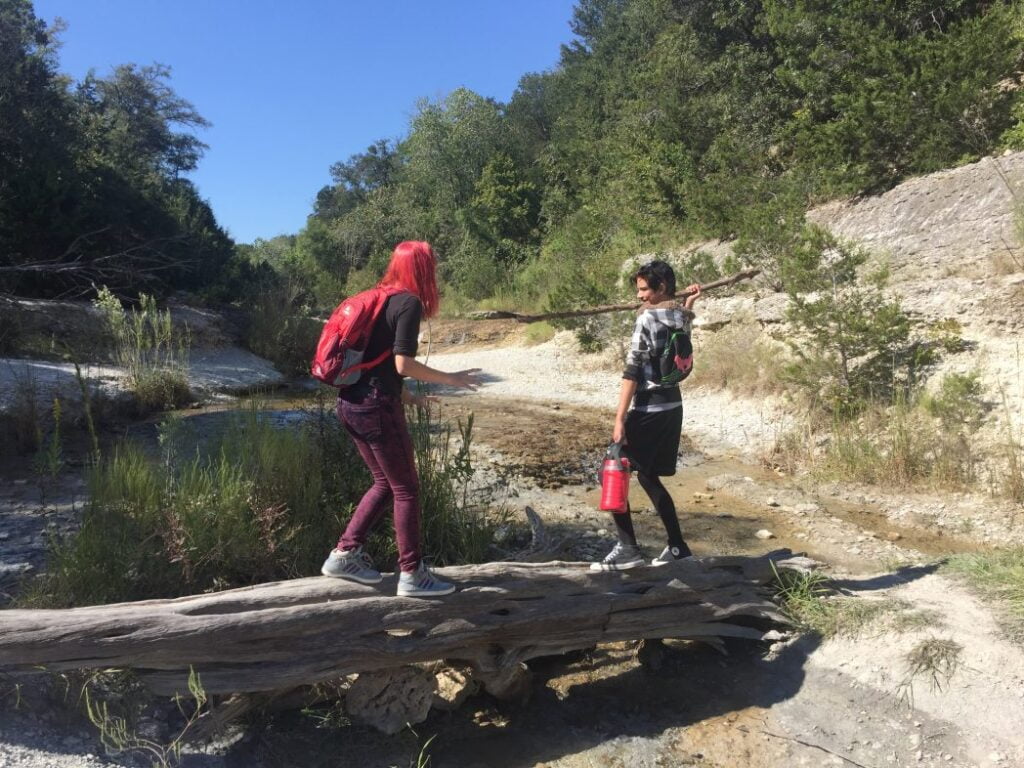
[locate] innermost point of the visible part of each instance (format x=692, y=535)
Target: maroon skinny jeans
x=377, y=425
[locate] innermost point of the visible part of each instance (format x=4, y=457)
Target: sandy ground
x=212, y=370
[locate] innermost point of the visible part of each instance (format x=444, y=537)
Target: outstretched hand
x=467, y=379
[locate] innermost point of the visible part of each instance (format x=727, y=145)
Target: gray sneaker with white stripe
x=351, y=564
x=422, y=583
x=622, y=557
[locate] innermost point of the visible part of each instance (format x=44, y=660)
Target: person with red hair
x=372, y=413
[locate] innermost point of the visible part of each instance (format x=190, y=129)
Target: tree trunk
x=281, y=635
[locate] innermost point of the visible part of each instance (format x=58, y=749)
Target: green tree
x=852, y=345
x=39, y=138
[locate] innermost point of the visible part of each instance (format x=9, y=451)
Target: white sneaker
x=351, y=564
x=422, y=583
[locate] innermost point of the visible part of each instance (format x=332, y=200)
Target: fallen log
x=498, y=314
x=277, y=636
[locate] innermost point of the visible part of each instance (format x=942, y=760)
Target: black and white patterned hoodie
x=654, y=326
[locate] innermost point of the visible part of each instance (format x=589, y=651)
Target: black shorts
x=652, y=440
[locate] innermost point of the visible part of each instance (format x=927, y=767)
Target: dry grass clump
x=925, y=441
x=739, y=358
x=936, y=659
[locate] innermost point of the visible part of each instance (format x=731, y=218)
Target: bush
x=851, y=346
x=538, y=333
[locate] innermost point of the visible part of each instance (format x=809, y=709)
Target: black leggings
x=663, y=505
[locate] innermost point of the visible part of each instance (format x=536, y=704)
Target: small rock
x=764, y=533
x=454, y=686
x=893, y=536
x=771, y=501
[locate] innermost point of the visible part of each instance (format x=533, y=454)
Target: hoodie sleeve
x=639, y=350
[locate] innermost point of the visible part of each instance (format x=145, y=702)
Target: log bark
x=277, y=636
x=498, y=314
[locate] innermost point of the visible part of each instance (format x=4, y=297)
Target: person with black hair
x=649, y=417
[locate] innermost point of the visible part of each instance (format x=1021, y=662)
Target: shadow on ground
x=575, y=706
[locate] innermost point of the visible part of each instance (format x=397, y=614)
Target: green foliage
x=116, y=717
x=852, y=345
x=538, y=333
x=958, y=403
x=664, y=123
x=698, y=267
x=147, y=346
x=456, y=527
x=999, y=575
x=809, y=600
x=90, y=174
x=50, y=461
x=279, y=326
x=250, y=502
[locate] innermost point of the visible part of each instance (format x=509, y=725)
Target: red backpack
x=339, y=353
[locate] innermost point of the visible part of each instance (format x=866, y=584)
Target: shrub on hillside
x=851, y=345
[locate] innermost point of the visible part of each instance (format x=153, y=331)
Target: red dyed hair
x=413, y=268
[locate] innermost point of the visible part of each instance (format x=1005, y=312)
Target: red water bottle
x=615, y=480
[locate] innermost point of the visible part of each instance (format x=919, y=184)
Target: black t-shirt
x=398, y=329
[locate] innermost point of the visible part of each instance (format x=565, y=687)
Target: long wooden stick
x=497, y=314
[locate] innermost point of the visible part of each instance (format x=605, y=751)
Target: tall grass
x=147, y=346
x=926, y=440
x=279, y=327
x=456, y=525
x=998, y=575
x=809, y=600
x=1011, y=448
x=256, y=502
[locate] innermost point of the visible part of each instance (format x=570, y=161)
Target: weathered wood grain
x=281, y=635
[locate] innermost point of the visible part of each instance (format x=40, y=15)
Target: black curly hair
x=658, y=275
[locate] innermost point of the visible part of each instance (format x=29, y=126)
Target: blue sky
x=292, y=87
